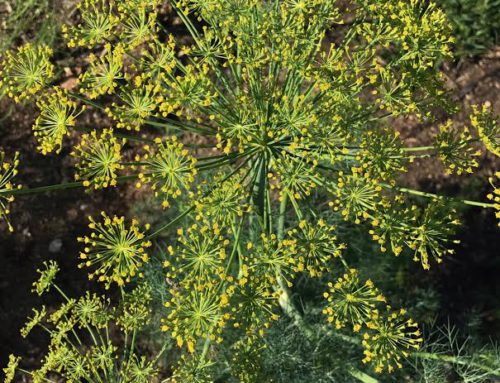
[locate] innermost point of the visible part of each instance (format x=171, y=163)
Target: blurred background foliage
x=476, y=22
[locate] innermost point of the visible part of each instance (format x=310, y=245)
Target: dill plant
x=283, y=114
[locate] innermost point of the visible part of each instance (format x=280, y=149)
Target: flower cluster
x=495, y=195
x=91, y=317
x=316, y=246
x=390, y=338
x=137, y=103
x=197, y=310
x=98, y=159
x=99, y=18
x=115, y=251
x=455, y=149
x=103, y=73
x=47, y=277
x=487, y=127
x=167, y=168
x=26, y=72
x=8, y=170
x=57, y=116
x=351, y=301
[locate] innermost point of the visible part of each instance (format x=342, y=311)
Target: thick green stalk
x=285, y=298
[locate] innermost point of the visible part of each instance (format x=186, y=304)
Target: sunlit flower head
x=25, y=72
x=201, y=251
x=98, y=159
x=494, y=196
x=254, y=305
x=136, y=104
x=390, y=339
x=225, y=203
x=455, y=149
x=138, y=22
x=168, y=169
x=57, y=116
x=356, y=196
x=429, y=235
x=104, y=72
x=316, y=246
x=196, y=310
x=99, y=19
x=487, y=127
x=114, y=250
x=351, y=301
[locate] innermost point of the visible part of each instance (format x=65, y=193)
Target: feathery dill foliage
x=279, y=114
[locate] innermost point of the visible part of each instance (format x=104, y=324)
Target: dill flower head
x=254, y=305
x=247, y=360
x=8, y=170
x=135, y=310
x=138, y=102
x=390, y=339
x=269, y=257
x=487, y=127
x=114, y=250
x=201, y=251
x=57, y=115
x=428, y=236
x=99, y=19
x=357, y=195
x=351, y=301
x=297, y=178
x=25, y=72
x=189, y=94
x=104, y=72
x=91, y=310
x=316, y=246
x=37, y=317
x=455, y=149
x=10, y=370
x=226, y=202
x=193, y=369
x=47, y=277
x=138, y=23
x=168, y=169
x=381, y=154
x=390, y=225
x=158, y=58
x=196, y=310
x=139, y=370
x=98, y=158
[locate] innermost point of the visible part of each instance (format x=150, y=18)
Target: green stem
x=455, y=360
x=436, y=196
x=285, y=299
x=419, y=149
x=176, y=219
x=361, y=376
x=49, y=188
